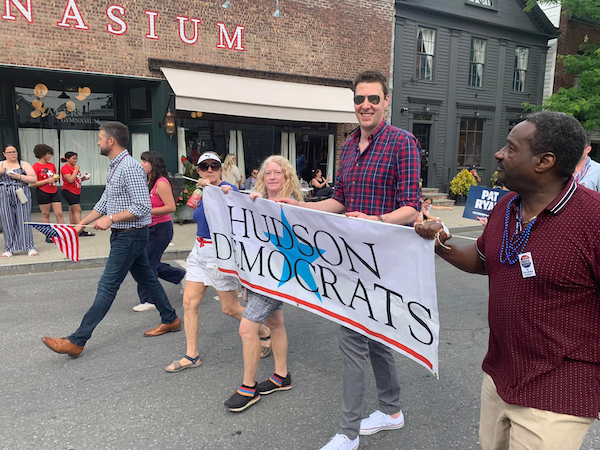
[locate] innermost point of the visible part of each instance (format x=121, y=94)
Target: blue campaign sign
x=481, y=201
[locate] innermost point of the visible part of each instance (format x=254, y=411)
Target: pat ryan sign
x=376, y=279
x=481, y=201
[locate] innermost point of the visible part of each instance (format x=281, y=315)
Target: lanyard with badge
x=512, y=249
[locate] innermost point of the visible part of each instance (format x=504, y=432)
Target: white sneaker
x=379, y=421
x=341, y=442
x=144, y=307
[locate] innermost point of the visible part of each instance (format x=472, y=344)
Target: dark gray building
x=462, y=69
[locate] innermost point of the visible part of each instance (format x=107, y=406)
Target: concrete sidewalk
x=94, y=250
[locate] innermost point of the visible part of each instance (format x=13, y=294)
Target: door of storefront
x=422, y=132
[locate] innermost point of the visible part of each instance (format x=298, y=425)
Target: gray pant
x=357, y=349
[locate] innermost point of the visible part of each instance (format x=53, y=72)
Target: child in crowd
x=426, y=209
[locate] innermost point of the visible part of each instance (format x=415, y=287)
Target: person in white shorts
x=202, y=271
x=276, y=179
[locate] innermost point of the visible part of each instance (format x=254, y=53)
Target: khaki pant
x=503, y=426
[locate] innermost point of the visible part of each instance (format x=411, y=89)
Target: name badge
x=526, y=262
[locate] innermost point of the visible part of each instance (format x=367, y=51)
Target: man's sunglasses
x=204, y=166
x=373, y=99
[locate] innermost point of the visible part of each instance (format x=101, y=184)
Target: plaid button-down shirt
x=126, y=189
x=384, y=177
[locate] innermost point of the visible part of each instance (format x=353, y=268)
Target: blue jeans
x=160, y=236
x=127, y=254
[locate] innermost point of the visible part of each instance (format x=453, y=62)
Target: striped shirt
x=384, y=177
x=544, y=350
x=126, y=189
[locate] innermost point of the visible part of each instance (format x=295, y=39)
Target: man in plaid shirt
x=378, y=179
x=124, y=208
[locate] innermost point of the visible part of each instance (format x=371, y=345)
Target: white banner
x=377, y=279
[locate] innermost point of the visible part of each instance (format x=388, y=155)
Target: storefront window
x=66, y=120
x=55, y=108
x=140, y=103
x=252, y=141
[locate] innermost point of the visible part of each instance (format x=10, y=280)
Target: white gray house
x=462, y=69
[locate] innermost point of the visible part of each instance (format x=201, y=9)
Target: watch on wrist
x=380, y=218
x=111, y=219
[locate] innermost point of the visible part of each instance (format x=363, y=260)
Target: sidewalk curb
x=465, y=229
x=85, y=263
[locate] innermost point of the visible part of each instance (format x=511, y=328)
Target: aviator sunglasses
x=373, y=99
x=204, y=166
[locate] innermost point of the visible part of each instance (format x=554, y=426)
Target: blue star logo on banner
x=299, y=265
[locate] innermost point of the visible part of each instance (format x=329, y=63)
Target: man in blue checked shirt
x=124, y=208
x=378, y=180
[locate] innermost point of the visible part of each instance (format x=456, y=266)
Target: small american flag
x=64, y=236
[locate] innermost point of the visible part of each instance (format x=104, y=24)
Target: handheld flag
x=64, y=236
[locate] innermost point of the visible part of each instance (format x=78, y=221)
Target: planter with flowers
x=461, y=184
x=182, y=211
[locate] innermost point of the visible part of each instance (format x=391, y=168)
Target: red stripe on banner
x=335, y=316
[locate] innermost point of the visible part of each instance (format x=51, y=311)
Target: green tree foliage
x=583, y=101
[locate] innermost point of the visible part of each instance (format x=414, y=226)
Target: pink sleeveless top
x=156, y=202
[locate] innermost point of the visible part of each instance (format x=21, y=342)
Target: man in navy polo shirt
x=541, y=387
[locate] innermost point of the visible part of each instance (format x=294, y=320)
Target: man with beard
x=541, y=380
x=124, y=208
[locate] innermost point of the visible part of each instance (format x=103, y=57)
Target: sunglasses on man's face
x=204, y=166
x=373, y=99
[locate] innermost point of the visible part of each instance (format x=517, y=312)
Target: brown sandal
x=177, y=367
x=264, y=350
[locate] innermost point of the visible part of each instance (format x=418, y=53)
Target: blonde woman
x=231, y=173
x=275, y=170
x=276, y=179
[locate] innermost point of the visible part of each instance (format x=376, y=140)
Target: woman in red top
x=46, y=192
x=71, y=190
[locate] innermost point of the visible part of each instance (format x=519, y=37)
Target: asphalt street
x=117, y=395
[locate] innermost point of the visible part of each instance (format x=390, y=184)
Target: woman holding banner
x=276, y=179
x=202, y=271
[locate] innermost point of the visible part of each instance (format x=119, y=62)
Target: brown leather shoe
x=164, y=328
x=63, y=345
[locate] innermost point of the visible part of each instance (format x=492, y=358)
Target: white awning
x=251, y=97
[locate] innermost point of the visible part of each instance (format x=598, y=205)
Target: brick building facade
x=573, y=33
x=67, y=66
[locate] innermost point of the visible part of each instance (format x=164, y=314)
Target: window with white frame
x=482, y=2
x=520, y=73
x=425, y=53
x=477, y=62
x=470, y=142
